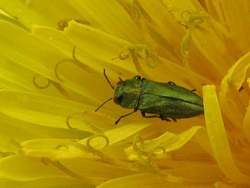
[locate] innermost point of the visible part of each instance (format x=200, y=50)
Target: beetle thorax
x=127, y=93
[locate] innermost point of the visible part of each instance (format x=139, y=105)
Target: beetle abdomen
x=168, y=107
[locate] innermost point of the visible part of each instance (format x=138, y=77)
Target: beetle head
x=127, y=92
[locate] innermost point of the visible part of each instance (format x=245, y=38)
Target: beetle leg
x=123, y=116
x=157, y=116
x=171, y=83
x=193, y=90
x=241, y=88
x=149, y=116
x=174, y=119
x=164, y=118
x=143, y=114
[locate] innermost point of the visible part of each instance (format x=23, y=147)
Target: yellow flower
x=53, y=54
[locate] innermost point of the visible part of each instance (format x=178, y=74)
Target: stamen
x=61, y=89
x=74, y=60
x=81, y=115
x=94, y=137
x=62, y=146
x=191, y=19
x=145, y=158
x=36, y=82
x=68, y=121
x=159, y=151
x=96, y=151
x=57, y=68
x=138, y=53
x=138, y=146
x=70, y=116
x=6, y=154
x=80, y=64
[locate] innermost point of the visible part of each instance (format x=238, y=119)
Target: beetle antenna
x=120, y=79
x=101, y=105
x=108, y=80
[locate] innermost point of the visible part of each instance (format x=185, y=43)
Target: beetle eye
x=138, y=77
x=119, y=99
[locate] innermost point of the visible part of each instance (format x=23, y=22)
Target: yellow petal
x=60, y=40
x=55, y=182
x=218, y=137
x=115, y=135
x=22, y=13
x=13, y=132
x=222, y=185
x=96, y=171
x=64, y=148
x=87, y=42
x=163, y=31
x=87, y=65
x=15, y=76
x=42, y=110
x=236, y=17
x=109, y=16
x=46, y=12
x=51, y=148
x=246, y=121
x=191, y=14
x=230, y=85
x=26, y=50
x=23, y=168
x=43, y=59
x=148, y=181
x=202, y=140
x=196, y=171
x=171, y=142
x=94, y=41
x=107, y=46
x=26, y=168
x=167, y=142
x=236, y=74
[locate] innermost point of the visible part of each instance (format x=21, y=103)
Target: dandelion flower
x=53, y=54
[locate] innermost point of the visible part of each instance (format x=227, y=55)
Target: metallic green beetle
x=164, y=100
